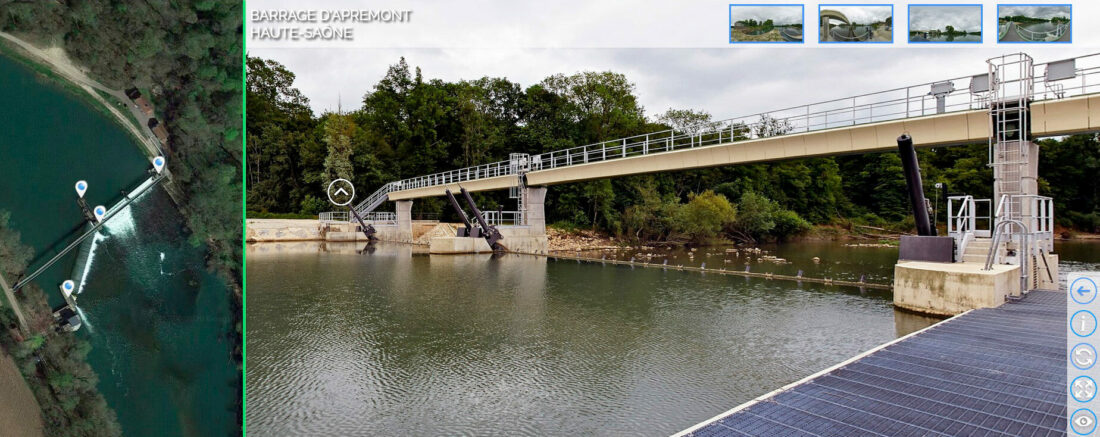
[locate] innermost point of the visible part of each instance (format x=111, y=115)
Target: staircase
x=977, y=250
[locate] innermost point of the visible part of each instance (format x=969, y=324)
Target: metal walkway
x=994, y=371
x=940, y=105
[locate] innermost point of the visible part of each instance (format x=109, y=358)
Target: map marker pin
x=99, y=212
x=81, y=187
x=67, y=287
x=158, y=164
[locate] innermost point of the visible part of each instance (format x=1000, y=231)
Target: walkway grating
x=988, y=372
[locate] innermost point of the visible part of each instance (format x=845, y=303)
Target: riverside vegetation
x=52, y=363
x=408, y=125
x=186, y=57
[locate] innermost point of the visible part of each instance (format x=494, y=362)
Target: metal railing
x=334, y=217
x=1037, y=214
x=1050, y=35
x=1021, y=255
x=962, y=225
x=426, y=216
x=376, y=198
x=866, y=36
x=894, y=104
x=377, y=217
x=381, y=217
x=499, y=218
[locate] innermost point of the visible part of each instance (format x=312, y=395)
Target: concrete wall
x=1066, y=116
x=534, y=211
x=258, y=230
x=525, y=239
x=458, y=245
x=952, y=288
x=403, y=208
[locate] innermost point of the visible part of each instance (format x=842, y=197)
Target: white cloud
x=726, y=83
x=778, y=14
x=964, y=18
x=1044, y=12
x=862, y=14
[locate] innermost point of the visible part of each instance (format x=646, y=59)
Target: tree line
x=408, y=125
x=187, y=58
x=52, y=363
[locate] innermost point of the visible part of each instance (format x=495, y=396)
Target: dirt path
x=9, y=297
x=59, y=62
x=20, y=415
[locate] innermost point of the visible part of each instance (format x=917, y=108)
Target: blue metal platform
x=994, y=371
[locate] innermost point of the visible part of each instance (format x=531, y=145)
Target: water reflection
x=352, y=338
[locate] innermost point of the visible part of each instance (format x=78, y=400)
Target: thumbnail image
x=772, y=23
x=856, y=23
x=1034, y=23
x=945, y=23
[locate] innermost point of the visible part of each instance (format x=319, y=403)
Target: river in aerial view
x=350, y=339
x=156, y=319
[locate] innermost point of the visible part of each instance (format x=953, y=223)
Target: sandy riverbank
x=20, y=415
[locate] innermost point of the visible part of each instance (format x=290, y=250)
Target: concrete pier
x=404, y=230
x=948, y=289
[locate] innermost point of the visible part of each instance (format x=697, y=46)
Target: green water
x=155, y=318
x=49, y=140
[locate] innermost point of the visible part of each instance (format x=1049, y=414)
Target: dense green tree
x=705, y=215
x=410, y=126
x=52, y=363
x=186, y=57
x=339, y=130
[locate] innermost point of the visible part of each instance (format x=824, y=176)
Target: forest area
x=187, y=57
x=51, y=362
x=409, y=125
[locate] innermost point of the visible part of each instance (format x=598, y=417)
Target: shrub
x=705, y=215
x=759, y=217
x=311, y=205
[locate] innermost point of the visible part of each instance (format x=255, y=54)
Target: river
x=344, y=339
x=156, y=319
x=383, y=339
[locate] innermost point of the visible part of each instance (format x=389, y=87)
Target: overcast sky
x=724, y=82
x=964, y=18
x=862, y=14
x=1045, y=12
x=778, y=14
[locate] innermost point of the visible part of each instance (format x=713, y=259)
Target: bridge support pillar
x=534, y=213
x=404, y=221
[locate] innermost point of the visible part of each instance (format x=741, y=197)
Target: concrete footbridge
x=94, y=219
x=995, y=271
x=1061, y=99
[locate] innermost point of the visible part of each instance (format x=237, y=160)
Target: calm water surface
x=155, y=318
x=349, y=340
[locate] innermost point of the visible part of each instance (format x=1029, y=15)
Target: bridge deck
x=994, y=371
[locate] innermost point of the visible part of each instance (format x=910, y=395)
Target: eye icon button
x=1083, y=421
